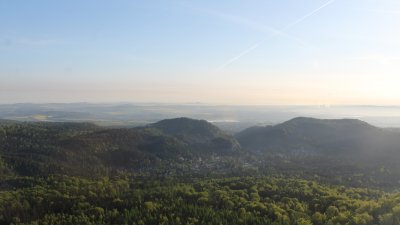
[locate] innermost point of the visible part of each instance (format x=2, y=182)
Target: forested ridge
x=183, y=171
x=234, y=200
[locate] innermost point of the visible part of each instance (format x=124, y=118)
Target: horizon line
x=194, y=103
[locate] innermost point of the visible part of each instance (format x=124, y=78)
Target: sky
x=256, y=52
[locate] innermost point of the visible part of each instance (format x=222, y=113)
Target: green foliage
x=83, y=149
x=177, y=172
x=144, y=200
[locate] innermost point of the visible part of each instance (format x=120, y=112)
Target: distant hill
x=40, y=148
x=198, y=134
x=344, y=137
x=190, y=129
x=84, y=149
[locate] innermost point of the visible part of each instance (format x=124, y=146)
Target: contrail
x=238, y=56
x=308, y=15
x=248, y=50
x=254, y=25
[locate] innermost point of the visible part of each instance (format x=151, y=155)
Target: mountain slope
x=200, y=135
x=345, y=137
x=86, y=149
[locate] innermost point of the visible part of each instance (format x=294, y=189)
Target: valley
x=302, y=171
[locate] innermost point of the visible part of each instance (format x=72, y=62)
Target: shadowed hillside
x=349, y=138
x=199, y=134
x=85, y=149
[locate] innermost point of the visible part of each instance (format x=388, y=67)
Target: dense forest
x=151, y=200
x=184, y=171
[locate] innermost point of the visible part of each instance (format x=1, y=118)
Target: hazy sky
x=229, y=52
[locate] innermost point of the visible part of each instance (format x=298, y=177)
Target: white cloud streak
x=31, y=41
x=301, y=19
x=382, y=11
x=276, y=32
x=260, y=27
x=239, y=56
